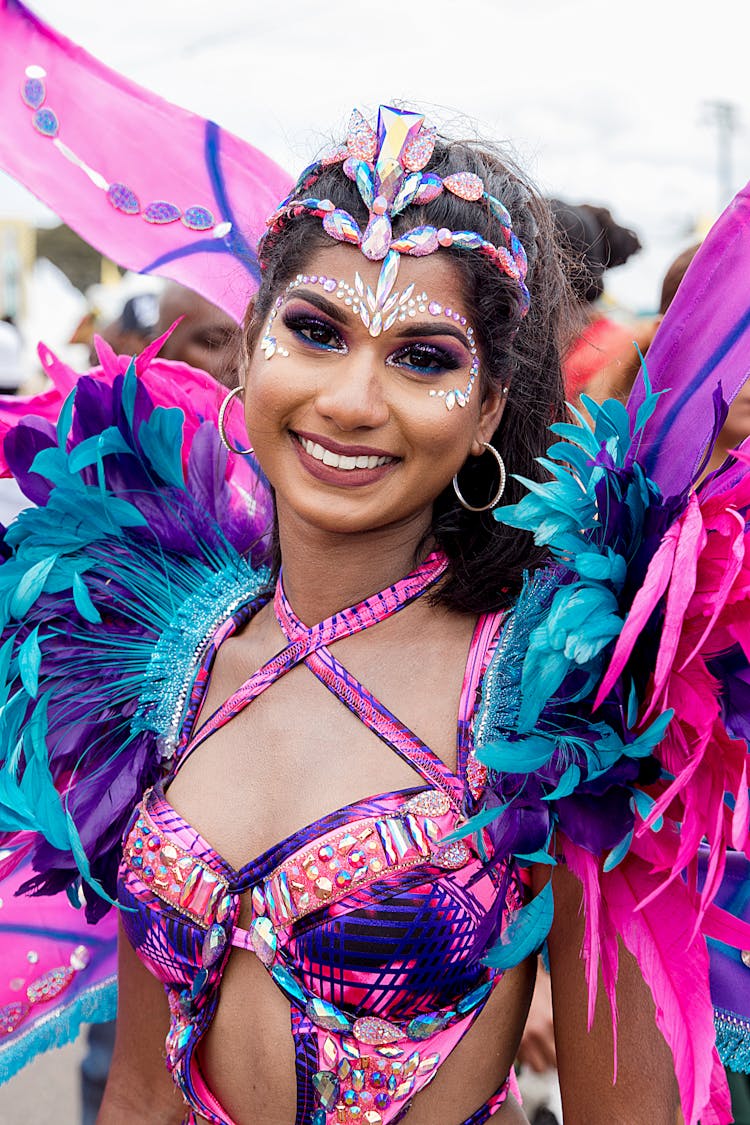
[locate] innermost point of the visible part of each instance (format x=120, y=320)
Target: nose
x=351, y=393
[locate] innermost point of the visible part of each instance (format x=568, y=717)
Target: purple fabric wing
x=157, y=189
x=703, y=339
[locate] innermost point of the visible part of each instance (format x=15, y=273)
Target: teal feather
x=524, y=933
x=159, y=437
x=31, y=586
x=83, y=602
x=618, y=853
x=29, y=659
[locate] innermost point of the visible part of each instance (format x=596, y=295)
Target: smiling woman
x=329, y=913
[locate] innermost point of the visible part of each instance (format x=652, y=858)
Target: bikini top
x=371, y=921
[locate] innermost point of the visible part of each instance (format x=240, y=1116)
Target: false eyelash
x=298, y=323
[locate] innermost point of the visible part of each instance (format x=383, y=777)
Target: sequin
x=11, y=1016
x=125, y=200
x=327, y=1087
x=161, y=212
x=46, y=123
x=198, y=218
x=374, y=1031
x=50, y=985
x=466, y=185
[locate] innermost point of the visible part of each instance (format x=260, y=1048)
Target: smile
x=341, y=461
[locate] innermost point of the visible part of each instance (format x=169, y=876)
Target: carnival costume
x=604, y=718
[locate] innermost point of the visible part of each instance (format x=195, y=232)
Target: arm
x=646, y=1089
x=139, y=1089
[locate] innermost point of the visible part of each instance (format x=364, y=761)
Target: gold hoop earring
x=221, y=426
x=500, y=488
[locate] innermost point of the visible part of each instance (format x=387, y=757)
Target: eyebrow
x=406, y=331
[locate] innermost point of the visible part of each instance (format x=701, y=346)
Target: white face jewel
x=379, y=311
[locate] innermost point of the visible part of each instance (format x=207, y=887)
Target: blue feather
x=524, y=933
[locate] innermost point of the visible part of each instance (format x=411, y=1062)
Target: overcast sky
x=603, y=102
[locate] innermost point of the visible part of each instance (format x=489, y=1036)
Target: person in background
x=594, y=242
x=206, y=337
x=11, y=357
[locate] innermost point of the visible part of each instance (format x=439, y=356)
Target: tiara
x=386, y=164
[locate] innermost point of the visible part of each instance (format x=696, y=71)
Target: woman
x=351, y=428
x=405, y=339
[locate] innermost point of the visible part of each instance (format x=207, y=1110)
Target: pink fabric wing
x=157, y=189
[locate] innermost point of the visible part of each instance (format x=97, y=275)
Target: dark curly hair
x=487, y=560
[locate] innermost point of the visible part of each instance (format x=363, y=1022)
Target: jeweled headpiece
x=387, y=166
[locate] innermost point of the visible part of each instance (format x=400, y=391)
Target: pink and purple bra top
x=371, y=921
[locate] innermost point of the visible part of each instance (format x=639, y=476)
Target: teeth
x=337, y=461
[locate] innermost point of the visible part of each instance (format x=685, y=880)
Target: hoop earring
x=221, y=427
x=500, y=488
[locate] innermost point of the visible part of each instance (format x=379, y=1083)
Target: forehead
x=436, y=274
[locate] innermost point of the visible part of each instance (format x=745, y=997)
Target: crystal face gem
x=397, y=131
x=198, y=218
x=50, y=985
x=465, y=185
x=430, y=803
x=374, y=1031
x=33, y=92
x=123, y=199
x=377, y=238
x=214, y=944
x=161, y=212
x=263, y=940
x=325, y=1015
x=327, y=1087
x=418, y=242
x=46, y=123
x=79, y=958
x=341, y=226
x=417, y=151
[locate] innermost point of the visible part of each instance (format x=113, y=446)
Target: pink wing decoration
x=157, y=189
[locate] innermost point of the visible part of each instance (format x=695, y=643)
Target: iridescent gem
x=365, y=182
x=342, y=879
x=406, y=193
x=326, y=852
x=341, y=226
x=259, y=901
x=224, y=909
x=404, y=1089
x=344, y=1068
x=330, y=1054
x=11, y=1016
x=198, y=218
x=357, y=1079
x=350, y=1097
x=411, y=1064
x=46, y=123
x=374, y=1031
x=182, y=1040
x=289, y=984
x=382, y=1101
x=390, y=1052
x=263, y=940
x=450, y=400
x=745, y=955
x=323, y=888
x=325, y=1015
x=474, y=998
x=33, y=92
x=431, y=802
x=79, y=958
x=160, y=212
x=319, y=1117
x=429, y=189
x=168, y=853
x=188, y=887
x=454, y=855
x=50, y=985
x=428, y=1063
x=418, y=242
x=376, y=865
x=350, y=1048
x=376, y=240
x=33, y=957
x=327, y=1087
x=466, y=185
x=199, y=982
x=357, y=858
x=214, y=945
x=422, y=1027
x=418, y=150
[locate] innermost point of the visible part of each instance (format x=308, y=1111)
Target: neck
x=326, y=572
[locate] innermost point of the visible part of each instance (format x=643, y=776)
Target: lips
x=334, y=463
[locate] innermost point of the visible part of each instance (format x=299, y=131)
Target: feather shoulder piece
x=144, y=538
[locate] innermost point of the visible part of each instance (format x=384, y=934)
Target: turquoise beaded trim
x=732, y=1040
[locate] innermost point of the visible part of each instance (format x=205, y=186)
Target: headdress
x=387, y=166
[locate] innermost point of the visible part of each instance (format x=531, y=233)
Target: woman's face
x=352, y=429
